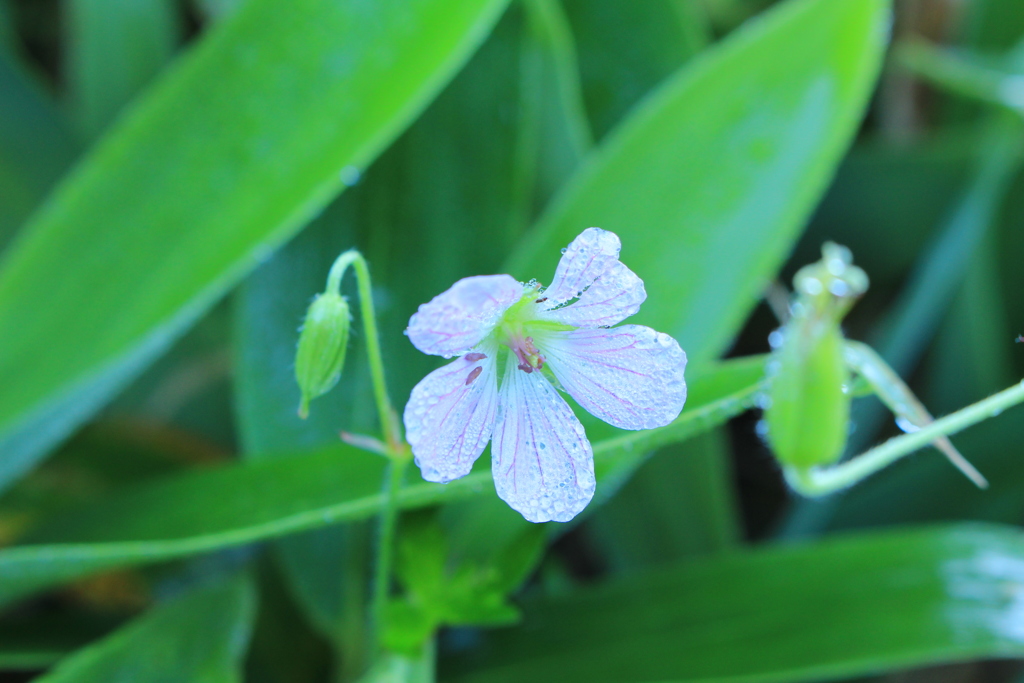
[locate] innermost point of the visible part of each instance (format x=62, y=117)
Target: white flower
x=515, y=340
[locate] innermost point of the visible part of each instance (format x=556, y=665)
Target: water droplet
x=839, y=288
x=761, y=428
x=812, y=286
x=565, y=249
x=776, y=338
x=350, y=176
x=836, y=266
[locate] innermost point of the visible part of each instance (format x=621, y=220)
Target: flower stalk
x=392, y=445
x=814, y=481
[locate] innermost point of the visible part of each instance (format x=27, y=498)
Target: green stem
x=385, y=544
x=396, y=451
x=388, y=417
x=815, y=482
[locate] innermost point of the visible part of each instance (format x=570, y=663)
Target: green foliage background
x=177, y=177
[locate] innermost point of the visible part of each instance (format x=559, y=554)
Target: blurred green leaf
x=201, y=636
x=115, y=47
x=238, y=504
x=554, y=134
x=217, y=9
x=838, y=608
x=36, y=145
x=972, y=357
x=626, y=48
x=709, y=199
x=994, y=25
x=964, y=74
x=7, y=32
x=682, y=499
x=31, y=642
x=223, y=160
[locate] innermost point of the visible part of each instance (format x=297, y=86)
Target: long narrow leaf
x=272, y=497
x=224, y=159
x=835, y=609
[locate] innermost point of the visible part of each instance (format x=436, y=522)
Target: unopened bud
x=321, y=350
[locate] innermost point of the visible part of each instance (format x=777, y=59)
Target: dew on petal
x=629, y=376
x=458, y=319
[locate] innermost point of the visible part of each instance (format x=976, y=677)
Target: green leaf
x=839, y=608
x=36, y=145
x=115, y=47
x=238, y=504
x=683, y=500
x=710, y=180
x=626, y=48
x=221, y=162
x=201, y=636
x=32, y=641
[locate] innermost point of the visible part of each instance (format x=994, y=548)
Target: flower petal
x=629, y=376
x=541, y=459
x=458, y=319
x=607, y=291
x=450, y=415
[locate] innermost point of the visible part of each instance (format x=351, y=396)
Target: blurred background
x=929, y=198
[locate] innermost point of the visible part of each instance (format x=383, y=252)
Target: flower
x=517, y=342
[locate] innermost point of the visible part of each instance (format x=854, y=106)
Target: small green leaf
x=201, y=636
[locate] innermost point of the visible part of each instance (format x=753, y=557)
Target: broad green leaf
x=839, y=608
x=710, y=180
x=115, y=47
x=200, y=636
x=238, y=504
x=36, y=145
x=224, y=159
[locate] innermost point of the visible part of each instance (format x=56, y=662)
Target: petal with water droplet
x=629, y=376
x=458, y=319
x=541, y=459
x=606, y=291
x=450, y=415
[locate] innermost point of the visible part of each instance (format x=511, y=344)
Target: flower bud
x=321, y=351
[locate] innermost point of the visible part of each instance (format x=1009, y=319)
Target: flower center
x=529, y=357
x=512, y=330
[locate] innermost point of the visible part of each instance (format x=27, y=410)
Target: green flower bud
x=808, y=401
x=321, y=351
